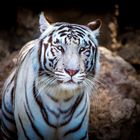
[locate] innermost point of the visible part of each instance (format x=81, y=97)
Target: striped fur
x=46, y=97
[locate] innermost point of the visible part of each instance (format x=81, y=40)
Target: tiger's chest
x=43, y=116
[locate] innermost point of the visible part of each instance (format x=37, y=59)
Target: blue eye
x=82, y=49
x=60, y=48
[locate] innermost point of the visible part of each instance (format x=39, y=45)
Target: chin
x=66, y=90
x=69, y=86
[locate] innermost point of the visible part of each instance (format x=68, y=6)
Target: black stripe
x=82, y=110
x=42, y=109
x=63, y=31
x=57, y=60
x=50, y=34
x=71, y=111
x=12, y=92
x=13, y=78
x=6, y=109
x=27, y=102
x=50, y=39
x=32, y=124
x=71, y=107
x=53, y=112
x=96, y=51
x=5, y=136
x=11, y=120
x=6, y=130
x=39, y=56
x=41, y=71
x=52, y=59
x=74, y=107
x=65, y=40
x=45, y=116
x=77, y=127
x=80, y=33
x=85, y=136
x=58, y=24
x=45, y=48
x=68, y=99
x=63, y=34
x=61, y=27
x=25, y=134
x=12, y=95
x=52, y=98
x=80, y=29
x=30, y=117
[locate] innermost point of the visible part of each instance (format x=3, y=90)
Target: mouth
x=71, y=81
x=69, y=85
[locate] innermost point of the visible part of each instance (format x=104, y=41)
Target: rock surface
x=130, y=49
x=115, y=108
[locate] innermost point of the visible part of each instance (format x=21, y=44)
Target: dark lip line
x=69, y=82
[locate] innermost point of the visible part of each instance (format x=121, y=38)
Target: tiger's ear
x=95, y=26
x=43, y=23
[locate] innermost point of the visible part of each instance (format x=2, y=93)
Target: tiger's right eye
x=60, y=48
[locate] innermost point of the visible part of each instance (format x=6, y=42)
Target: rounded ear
x=43, y=23
x=95, y=25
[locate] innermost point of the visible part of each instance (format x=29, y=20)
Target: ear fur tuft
x=43, y=23
x=95, y=26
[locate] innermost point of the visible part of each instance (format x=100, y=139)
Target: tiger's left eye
x=82, y=49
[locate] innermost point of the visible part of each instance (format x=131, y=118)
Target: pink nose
x=71, y=72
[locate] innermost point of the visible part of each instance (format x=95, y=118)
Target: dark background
x=129, y=10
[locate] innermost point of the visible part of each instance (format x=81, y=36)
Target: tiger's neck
x=64, y=94
x=62, y=104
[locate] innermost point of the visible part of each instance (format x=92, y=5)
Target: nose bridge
x=72, y=59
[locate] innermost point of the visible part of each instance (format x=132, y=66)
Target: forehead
x=71, y=30
x=70, y=33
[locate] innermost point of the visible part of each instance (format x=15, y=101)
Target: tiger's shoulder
x=27, y=48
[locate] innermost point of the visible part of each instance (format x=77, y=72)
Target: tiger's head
x=68, y=54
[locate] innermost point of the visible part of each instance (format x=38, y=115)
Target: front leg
x=8, y=127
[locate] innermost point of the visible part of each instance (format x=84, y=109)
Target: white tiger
x=46, y=97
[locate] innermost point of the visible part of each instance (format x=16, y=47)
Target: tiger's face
x=68, y=55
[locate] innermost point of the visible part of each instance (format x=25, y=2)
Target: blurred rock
x=7, y=65
x=131, y=53
x=130, y=48
x=114, y=109
x=27, y=27
x=4, y=51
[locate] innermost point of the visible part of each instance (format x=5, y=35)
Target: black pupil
x=61, y=48
x=82, y=49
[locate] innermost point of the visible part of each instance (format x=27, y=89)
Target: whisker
x=91, y=84
x=45, y=82
x=42, y=72
x=97, y=80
